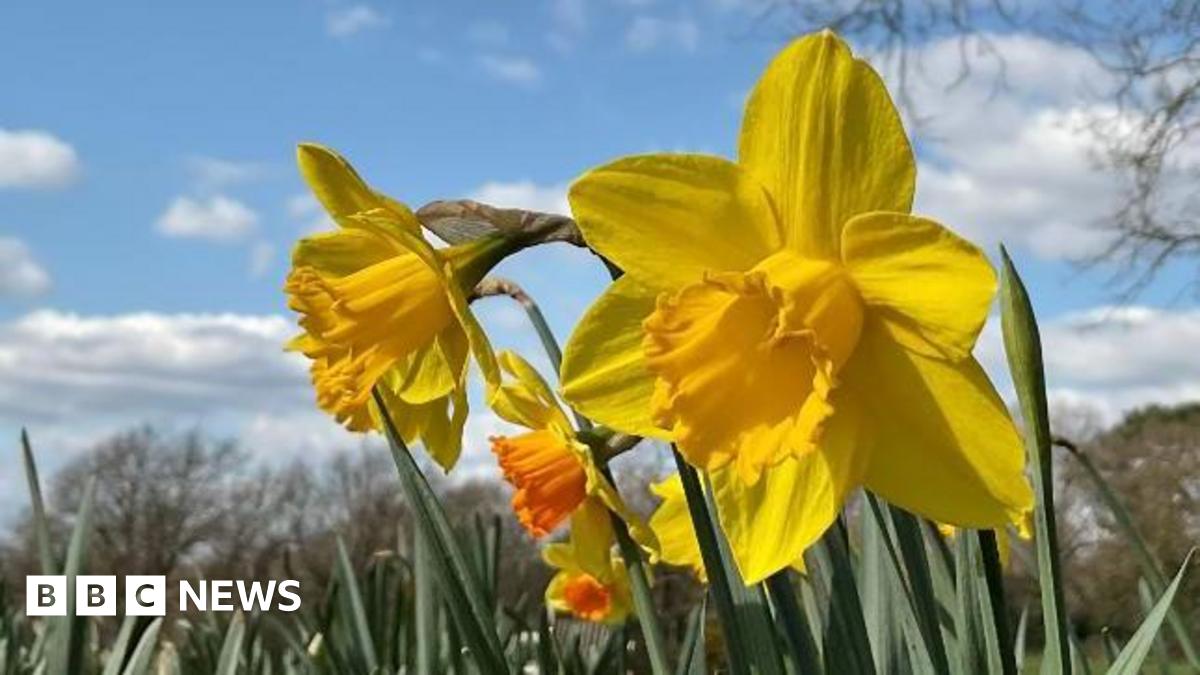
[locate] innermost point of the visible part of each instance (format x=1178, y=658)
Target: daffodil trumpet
x=789, y=325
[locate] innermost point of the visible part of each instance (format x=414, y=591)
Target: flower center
x=746, y=362
x=587, y=597
x=362, y=324
x=548, y=476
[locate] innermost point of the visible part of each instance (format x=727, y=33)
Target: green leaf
x=920, y=579
x=68, y=639
x=427, y=606
x=1022, y=345
x=143, y=654
x=847, y=638
x=463, y=597
x=1019, y=638
x=350, y=597
x=120, y=646
x=41, y=528
x=994, y=587
x=231, y=648
x=794, y=623
x=691, y=653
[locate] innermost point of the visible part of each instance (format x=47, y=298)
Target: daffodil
x=787, y=323
x=591, y=582
x=551, y=470
x=380, y=306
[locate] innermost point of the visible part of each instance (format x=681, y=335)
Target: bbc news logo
x=46, y=595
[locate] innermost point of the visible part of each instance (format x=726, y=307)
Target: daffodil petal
x=341, y=253
x=943, y=444
x=604, y=373
x=672, y=525
x=433, y=373
x=529, y=401
x=930, y=287
x=706, y=211
x=340, y=189
x=442, y=434
x=821, y=133
x=771, y=523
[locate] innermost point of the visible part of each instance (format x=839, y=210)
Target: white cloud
x=217, y=218
x=56, y=366
x=1114, y=359
x=36, y=159
x=647, y=33
x=215, y=173
x=20, y=274
x=516, y=70
x=524, y=195
x=349, y=21
x=262, y=255
x=1010, y=159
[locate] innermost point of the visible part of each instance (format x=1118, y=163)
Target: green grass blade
x=463, y=597
x=231, y=648
x=120, y=647
x=878, y=595
x=143, y=653
x=68, y=640
x=355, y=611
x=848, y=633
x=691, y=653
x=1019, y=639
x=794, y=623
x=427, y=606
x=994, y=580
x=916, y=563
x=1151, y=568
x=41, y=527
x=967, y=628
x=1022, y=345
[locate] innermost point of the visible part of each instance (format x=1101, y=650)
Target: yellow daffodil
x=379, y=305
x=552, y=472
x=789, y=325
x=591, y=583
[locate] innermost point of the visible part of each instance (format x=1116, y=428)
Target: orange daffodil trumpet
x=380, y=307
x=788, y=324
x=551, y=470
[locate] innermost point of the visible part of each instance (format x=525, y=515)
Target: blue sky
x=150, y=195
